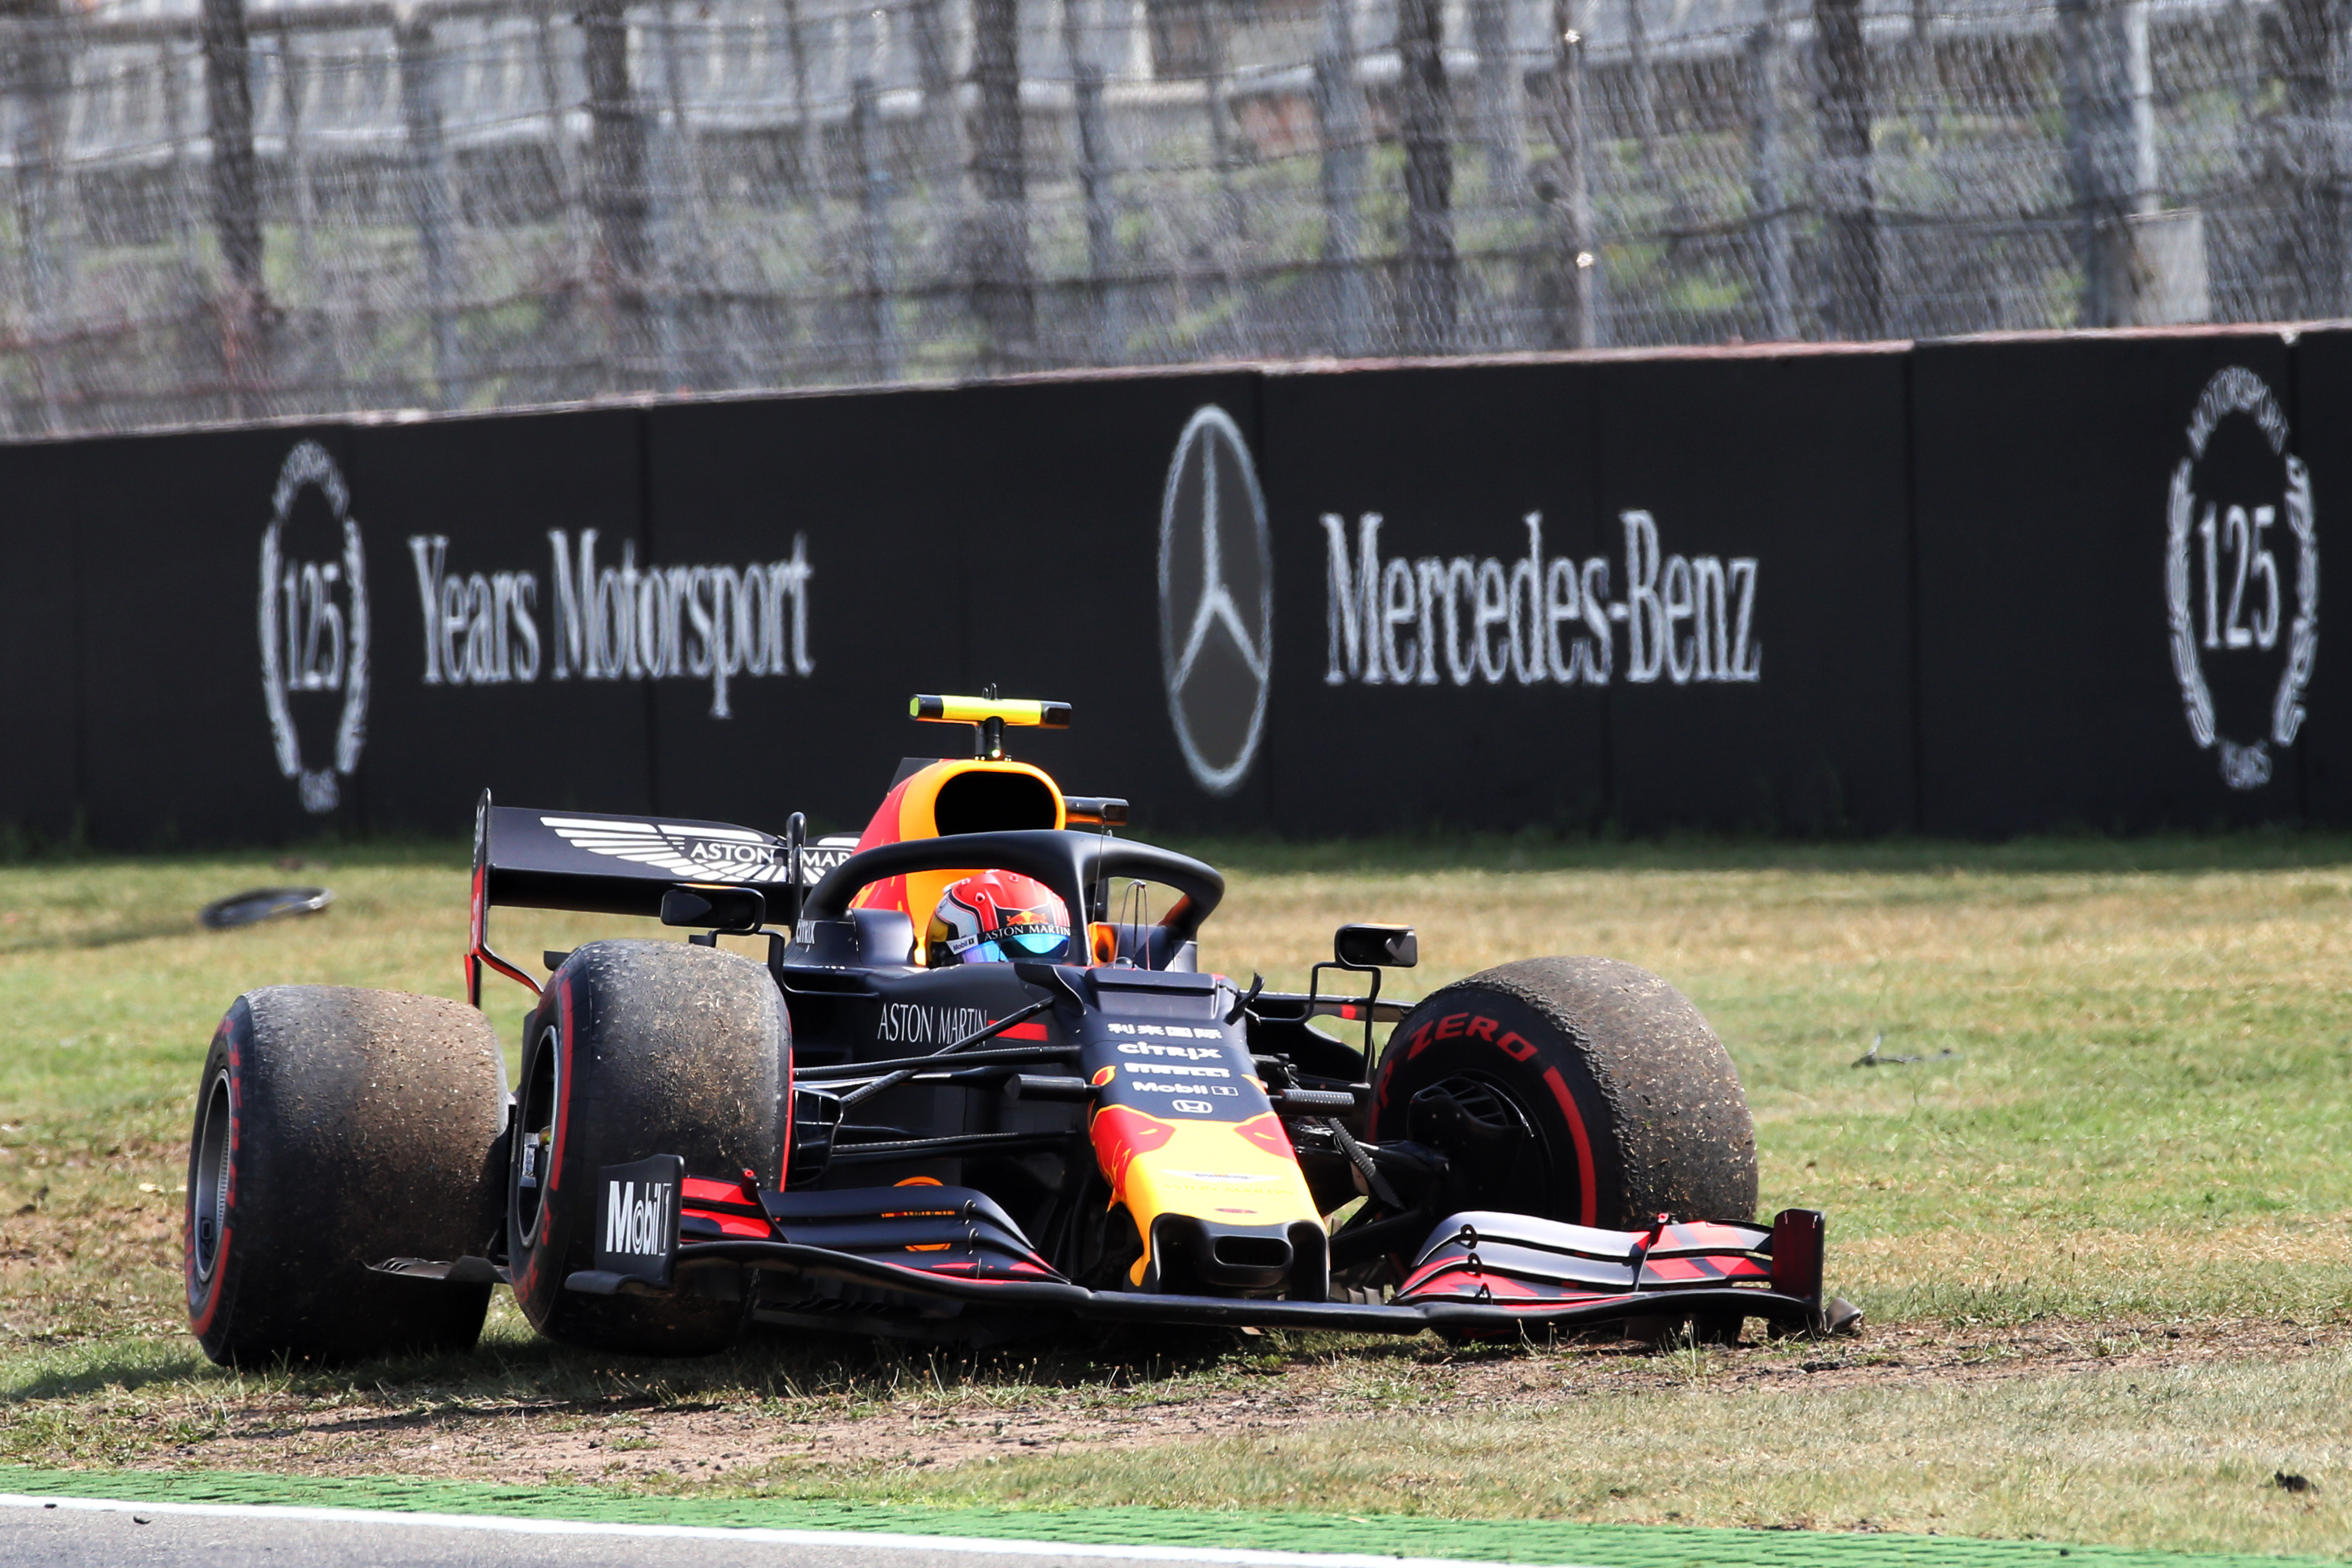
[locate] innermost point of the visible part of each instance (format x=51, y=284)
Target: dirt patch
x=644, y=1437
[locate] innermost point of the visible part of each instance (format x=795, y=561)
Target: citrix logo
x=1536, y=620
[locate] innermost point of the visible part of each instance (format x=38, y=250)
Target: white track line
x=851, y=1539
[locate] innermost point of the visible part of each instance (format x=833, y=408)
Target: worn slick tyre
x=640, y=1049
x=337, y=1127
x=1634, y=1105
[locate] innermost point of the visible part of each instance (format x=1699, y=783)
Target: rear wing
x=530, y=858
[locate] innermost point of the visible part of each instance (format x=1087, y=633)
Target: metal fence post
x=1856, y=283
x=1572, y=279
x=1502, y=103
x=879, y=282
x=617, y=196
x=798, y=140
x=1426, y=306
x=293, y=89
x=712, y=349
x=1003, y=299
x=1767, y=184
x=2110, y=144
x=559, y=132
x=237, y=207
x=938, y=154
x=1643, y=81
x=2312, y=48
x=1340, y=120
x=1106, y=331
x=1926, y=113
x=192, y=296
x=429, y=203
x=42, y=80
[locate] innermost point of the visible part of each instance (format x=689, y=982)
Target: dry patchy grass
x=2137, y=1134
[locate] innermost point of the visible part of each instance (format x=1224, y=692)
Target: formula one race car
x=944, y=1107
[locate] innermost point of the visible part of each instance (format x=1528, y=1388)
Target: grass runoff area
x=2101, y=1219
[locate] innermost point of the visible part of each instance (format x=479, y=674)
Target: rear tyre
x=1573, y=1088
x=640, y=1049
x=337, y=1127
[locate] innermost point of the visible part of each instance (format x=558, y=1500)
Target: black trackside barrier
x=2110, y=571
x=1978, y=588
x=40, y=777
x=2322, y=426
x=1786, y=473
x=209, y=712
x=995, y=536
x=490, y=539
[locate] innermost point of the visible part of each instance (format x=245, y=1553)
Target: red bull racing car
x=971, y=1086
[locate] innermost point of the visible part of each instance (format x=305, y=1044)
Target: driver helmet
x=997, y=916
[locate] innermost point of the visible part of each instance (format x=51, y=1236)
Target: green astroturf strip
x=1484, y=1541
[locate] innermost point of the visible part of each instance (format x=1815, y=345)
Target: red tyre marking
x=1450, y=1026
x=1588, y=1202
x=564, y=1099
x=1514, y=1047
x=198, y=1324
x=200, y=1321
x=1482, y=1028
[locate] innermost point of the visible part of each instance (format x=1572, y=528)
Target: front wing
x=1478, y=1272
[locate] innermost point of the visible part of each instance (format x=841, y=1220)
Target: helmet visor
x=1013, y=940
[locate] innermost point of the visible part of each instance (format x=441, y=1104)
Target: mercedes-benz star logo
x=1216, y=600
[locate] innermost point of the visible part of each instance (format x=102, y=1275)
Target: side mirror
x=1094, y=811
x=1376, y=947
x=732, y=910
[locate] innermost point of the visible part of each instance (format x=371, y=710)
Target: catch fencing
x=219, y=212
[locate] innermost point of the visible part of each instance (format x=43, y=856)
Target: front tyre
x=640, y=1049
x=1572, y=1088
x=337, y=1127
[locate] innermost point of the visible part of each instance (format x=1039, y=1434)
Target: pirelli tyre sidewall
x=640, y=1049
x=1635, y=1106
x=337, y=1127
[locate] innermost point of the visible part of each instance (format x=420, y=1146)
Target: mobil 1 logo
x=2241, y=578
x=636, y=1235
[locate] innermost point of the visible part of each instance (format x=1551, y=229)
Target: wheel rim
x=535, y=1135
x=1530, y=1169
x=208, y=1193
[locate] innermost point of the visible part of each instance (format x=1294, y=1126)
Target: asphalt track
x=89, y=1533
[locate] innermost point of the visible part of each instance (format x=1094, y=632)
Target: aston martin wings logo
x=704, y=853
x=697, y=853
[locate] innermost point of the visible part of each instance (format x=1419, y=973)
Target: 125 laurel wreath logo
x=2222, y=584
x=314, y=628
